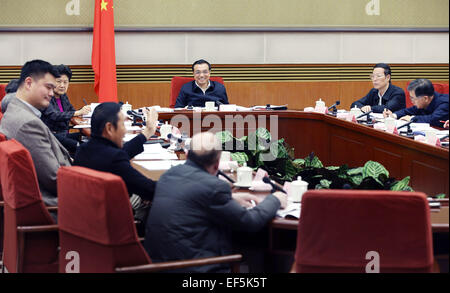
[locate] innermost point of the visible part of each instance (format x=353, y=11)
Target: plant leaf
x=239, y=157
x=374, y=169
x=401, y=185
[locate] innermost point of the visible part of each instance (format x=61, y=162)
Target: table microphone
x=135, y=114
x=364, y=114
x=334, y=105
x=406, y=124
x=274, y=186
x=224, y=175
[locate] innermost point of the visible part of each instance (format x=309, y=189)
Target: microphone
x=274, y=186
x=406, y=124
x=84, y=101
x=134, y=114
x=173, y=136
x=334, y=105
x=224, y=175
x=443, y=138
x=364, y=114
x=218, y=103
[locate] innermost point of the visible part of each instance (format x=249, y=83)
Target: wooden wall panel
x=297, y=95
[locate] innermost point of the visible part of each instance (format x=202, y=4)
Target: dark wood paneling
x=390, y=160
x=421, y=172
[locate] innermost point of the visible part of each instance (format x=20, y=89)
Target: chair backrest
x=95, y=219
x=178, y=81
x=441, y=88
x=23, y=206
x=2, y=138
x=338, y=228
x=2, y=90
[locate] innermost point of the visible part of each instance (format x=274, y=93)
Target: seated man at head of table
x=193, y=212
x=106, y=152
x=384, y=94
x=202, y=89
x=429, y=106
x=23, y=123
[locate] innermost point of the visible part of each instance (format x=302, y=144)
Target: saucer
x=237, y=184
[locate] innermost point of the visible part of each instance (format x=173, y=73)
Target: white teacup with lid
x=126, y=107
x=320, y=106
x=165, y=129
x=297, y=189
x=244, y=176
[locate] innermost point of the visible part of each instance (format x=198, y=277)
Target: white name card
x=227, y=108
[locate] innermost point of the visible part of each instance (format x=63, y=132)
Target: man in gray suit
x=22, y=122
x=193, y=212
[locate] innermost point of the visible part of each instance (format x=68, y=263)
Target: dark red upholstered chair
x=96, y=221
x=337, y=228
x=2, y=138
x=178, y=81
x=438, y=87
x=2, y=90
x=31, y=239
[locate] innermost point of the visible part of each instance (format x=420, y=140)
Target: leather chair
x=438, y=87
x=2, y=90
x=2, y=138
x=96, y=222
x=31, y=239
x=339, y=229
x=178, y=81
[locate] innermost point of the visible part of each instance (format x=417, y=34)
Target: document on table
x=159, y=165
x=292, y=209
x=156, y=156
x=79, y=126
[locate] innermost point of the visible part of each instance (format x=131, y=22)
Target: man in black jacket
x=384, y=95
x=106, y=152
x=202, y=89
x=193, y=212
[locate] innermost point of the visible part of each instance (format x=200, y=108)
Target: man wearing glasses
x=429, y=106
x=384, y=95
x=202, y=89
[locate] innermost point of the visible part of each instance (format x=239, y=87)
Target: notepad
x=159, y=165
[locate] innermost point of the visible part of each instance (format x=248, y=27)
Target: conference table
x=335, y=142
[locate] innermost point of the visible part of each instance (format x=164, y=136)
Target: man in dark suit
x=384, y=95
x=429, y=106
x=193, y=211
x=202, y=89
x=106, y=152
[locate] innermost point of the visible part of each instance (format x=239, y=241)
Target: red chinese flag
x=103, y=52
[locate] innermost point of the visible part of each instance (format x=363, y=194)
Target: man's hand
x=246, y=200
x=152, y=118
x=388, y=113
x=366, y=109
x=282, y=197
x=406, y=118
x=83, y=111
x=446, y=124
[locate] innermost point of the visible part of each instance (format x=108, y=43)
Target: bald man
x=193, y=212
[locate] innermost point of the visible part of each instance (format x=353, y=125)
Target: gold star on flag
x=104, y=5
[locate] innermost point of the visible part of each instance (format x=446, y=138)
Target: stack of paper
x=159, y=165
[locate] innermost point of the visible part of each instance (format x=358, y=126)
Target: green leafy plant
x=252, y=149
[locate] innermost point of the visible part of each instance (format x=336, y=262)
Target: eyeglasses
x=64, y=82
x=198, y=72
x=378, y=76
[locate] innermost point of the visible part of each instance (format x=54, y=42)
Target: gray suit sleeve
x=35, y=138
x=226, y=211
